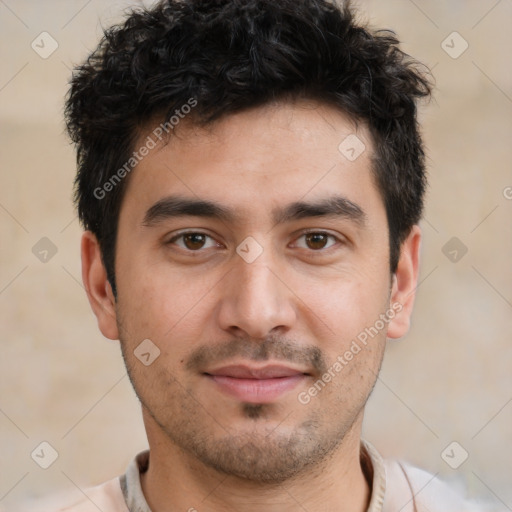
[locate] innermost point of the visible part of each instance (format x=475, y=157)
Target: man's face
x=250, y=308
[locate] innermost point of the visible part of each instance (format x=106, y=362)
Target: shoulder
x=106, y=496
x=412, y=489
x=110, y=496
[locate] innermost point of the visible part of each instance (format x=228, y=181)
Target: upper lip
x=241, y=371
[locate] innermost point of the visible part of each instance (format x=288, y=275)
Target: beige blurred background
x=449, y=380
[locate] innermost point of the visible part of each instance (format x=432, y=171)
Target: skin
x=300, y=303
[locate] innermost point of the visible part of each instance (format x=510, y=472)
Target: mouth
x=256, y=385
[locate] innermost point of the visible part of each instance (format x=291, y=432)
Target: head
x=250, y=178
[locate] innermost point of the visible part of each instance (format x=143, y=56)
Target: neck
x=176, y=480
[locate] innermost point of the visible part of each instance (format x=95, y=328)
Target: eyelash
x=305, y=233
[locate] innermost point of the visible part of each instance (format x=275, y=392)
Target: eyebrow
x=179, y=206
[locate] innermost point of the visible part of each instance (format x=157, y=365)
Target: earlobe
x=99, y=291
x=405, y=281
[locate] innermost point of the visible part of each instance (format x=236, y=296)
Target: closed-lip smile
x=256, y=384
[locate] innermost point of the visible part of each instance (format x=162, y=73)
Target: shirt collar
x=375, y=472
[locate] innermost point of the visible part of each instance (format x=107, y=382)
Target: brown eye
x=316, y=240
x=194, y=241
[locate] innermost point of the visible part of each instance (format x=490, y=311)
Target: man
x=250, y=179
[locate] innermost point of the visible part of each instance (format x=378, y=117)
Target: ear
x=99, y=291
x=405, y=281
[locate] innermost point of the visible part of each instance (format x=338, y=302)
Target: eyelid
x=339, y=240
x=181, y=234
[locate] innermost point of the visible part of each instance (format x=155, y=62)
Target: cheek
x=165, y=306
x=347, y=303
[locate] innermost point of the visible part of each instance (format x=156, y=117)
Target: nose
x=256, y=300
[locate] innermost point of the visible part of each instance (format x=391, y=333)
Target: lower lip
x=256, y=391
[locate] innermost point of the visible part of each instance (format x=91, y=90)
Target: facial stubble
x=270, y=448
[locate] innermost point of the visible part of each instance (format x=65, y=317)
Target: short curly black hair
x=231, y=55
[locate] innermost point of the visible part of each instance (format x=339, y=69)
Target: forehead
x=259, y=159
